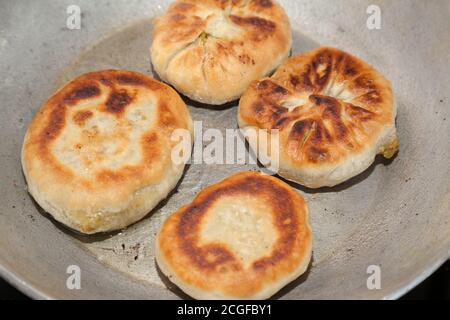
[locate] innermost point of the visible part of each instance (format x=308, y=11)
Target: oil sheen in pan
x=131, y=251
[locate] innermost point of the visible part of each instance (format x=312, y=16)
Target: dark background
x=437, y=286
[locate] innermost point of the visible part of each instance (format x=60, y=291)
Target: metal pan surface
x=395, y=215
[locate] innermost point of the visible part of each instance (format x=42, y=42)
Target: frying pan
x=395, y=216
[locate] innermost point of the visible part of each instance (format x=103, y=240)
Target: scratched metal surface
x=395, y=215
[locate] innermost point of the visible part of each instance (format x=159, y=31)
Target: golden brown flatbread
x=212, y=50
x=97, y=156
x=334, y=114
x=243, y=238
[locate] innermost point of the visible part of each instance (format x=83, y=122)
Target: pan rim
x=34, y=292
x=15, y=261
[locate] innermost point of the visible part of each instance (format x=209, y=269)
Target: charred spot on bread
x=338, y=108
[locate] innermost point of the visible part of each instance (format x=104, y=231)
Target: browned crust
x=325, y=127
x=214, y=267
x=109, y=91
x=181, y=21
x=182, y=44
